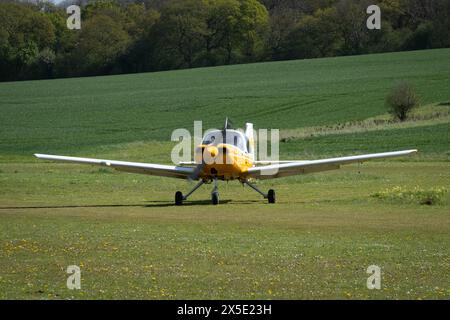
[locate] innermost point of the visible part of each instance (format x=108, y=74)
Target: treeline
x=123, y=36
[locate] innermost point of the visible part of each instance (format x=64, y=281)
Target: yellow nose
x=213, y=151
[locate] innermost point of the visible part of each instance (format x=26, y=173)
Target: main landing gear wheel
x=215, y=198
x=178, y=198
x=271, y=196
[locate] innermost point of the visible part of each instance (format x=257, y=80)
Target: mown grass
x=130, y=241
x=316, y=242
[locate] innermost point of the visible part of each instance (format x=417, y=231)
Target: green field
x=130, y=241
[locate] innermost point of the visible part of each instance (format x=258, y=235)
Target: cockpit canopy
x=233, y=137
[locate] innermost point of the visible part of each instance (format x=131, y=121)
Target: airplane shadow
x=156, y=204
x=153, y=203
x=73, y=206
x=149, y=204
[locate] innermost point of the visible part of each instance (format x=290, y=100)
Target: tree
x=283, y=21
x=182, y=28
x=148, y=35
x=222, y=34
x=234, y=28
x=351, y=26
x=441, y=25
x=143, y=51
x=25, y=33
x=314, y=36
x=46, y=59
x=401, y=100
x=253, y=25
x=102, y=41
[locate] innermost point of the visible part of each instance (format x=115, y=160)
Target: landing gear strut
x=270, y=196
x=215, y=194
x=179, y=197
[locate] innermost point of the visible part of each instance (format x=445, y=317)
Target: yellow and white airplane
x=228, y=154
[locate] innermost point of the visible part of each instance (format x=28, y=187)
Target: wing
x=303, y=167
x=133, y=167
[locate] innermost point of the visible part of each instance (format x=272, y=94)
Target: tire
x=271, y=196
x=215, y=198
x=178, y=198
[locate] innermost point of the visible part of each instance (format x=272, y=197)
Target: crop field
x=317, y=241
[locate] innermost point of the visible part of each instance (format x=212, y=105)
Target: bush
x=401, y=100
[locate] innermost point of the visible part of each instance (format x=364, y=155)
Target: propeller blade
x=228, y=124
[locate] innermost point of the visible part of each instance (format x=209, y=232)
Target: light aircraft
x=236, y=152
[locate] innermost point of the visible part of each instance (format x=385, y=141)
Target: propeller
x=199, y=168
x=228, y=125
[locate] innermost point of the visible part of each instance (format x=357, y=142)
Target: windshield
x=213, y=138
x=235, y=138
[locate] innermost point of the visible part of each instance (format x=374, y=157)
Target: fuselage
x=224, y=158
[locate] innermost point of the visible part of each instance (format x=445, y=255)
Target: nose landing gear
x=215, y=194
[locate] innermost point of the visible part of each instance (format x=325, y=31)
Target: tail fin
x=249, y=134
